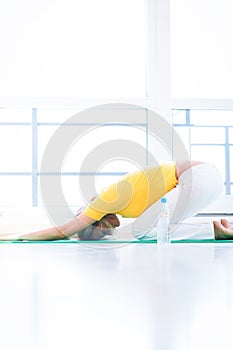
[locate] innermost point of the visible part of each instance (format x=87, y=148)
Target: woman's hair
x=107, y=223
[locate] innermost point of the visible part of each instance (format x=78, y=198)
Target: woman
x=132, y=196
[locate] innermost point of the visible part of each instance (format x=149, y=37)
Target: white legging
x=198, y=186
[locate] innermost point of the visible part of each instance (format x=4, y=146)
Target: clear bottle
x=163, y=233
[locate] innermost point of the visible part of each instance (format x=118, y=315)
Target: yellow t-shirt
x=134, y=193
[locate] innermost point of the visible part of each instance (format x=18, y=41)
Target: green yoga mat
x=117, y=241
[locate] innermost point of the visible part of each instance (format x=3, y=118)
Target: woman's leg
x=199, y=185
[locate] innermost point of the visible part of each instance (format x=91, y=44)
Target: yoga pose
x=137, y=195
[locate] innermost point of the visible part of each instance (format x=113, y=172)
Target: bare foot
x=226, y=223
x=222, y=232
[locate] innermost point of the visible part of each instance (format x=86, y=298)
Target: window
x=73, y=49
x=59, y=57
x=207, y=135
x=202, y=82
x=201, y=50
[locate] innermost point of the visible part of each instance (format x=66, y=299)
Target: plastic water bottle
x=163, y=234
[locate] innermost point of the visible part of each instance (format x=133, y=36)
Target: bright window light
x=73, y=49
x=202, y=50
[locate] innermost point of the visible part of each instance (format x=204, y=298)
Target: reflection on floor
x=135, y=296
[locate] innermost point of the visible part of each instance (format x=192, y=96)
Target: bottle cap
x=164, y=200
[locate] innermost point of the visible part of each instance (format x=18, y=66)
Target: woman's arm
x=62, y=232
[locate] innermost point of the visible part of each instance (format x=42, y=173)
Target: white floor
x=103, y=296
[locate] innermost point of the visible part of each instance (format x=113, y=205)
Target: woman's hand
x=10, y=237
